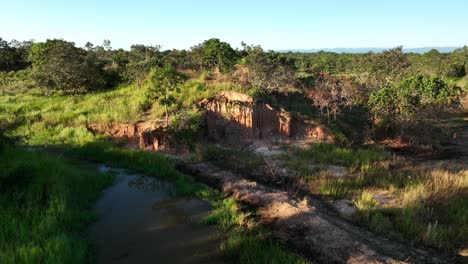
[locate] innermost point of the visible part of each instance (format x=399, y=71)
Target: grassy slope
x=60, y=121
x=62, y=118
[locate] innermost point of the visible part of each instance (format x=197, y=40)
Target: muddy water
x=140, y=221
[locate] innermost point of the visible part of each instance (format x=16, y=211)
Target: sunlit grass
x=240, y=229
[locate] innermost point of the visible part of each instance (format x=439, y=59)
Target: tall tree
x=13, y=55
x=165, y=82
x=141, y=59
x=267, y=71
x=214, y=53
x=331, y=93
x=389, y=66
x=58, y=64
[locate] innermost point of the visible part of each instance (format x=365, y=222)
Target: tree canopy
x=214, y=53
x=165, y=81
x=58, y=64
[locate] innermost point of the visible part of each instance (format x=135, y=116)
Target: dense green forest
x=52, y=91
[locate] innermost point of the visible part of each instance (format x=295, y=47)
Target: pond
x=141, y=221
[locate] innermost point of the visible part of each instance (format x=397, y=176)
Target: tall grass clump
x=45, y=204
x=327, y=153
x=431, y=209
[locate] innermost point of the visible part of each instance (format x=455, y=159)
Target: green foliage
x=58, y=64
x=226, y=214
x=15, y=82
x=365, y=201
x=48, y=120
x=247, y=242
x=414, y=99
x=45, y=205
x=165, y=82
x=216, y=53
x=186, y=126
x=13, y=55
x=151, y=164
x=141, y=59
x=389, y=64
x=268, y=71
x=455, y=70
x=255, y=248
x=427, y=207
x=5, y=127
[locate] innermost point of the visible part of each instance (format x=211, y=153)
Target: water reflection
x=140, y=221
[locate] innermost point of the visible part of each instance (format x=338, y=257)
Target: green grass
x=119, y=105
x=49, y=119
x=240, y=229
x=429, y=207
x=327, y=153
x=58, y=119
x=305, y=160
x=59, y=122
x=45, y=205
x=256, y=248
x=247, y=241
x=236, y=159
x=195, y=90
x=441, y=223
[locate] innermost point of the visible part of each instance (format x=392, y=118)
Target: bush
x=58, y=64
x=414, y=104
x=186, y=126
x=455, y=70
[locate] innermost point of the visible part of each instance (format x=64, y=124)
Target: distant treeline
x=393, y=87
x=375, y=50
x=96, y=67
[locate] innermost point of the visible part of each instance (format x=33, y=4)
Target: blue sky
x=292, y=24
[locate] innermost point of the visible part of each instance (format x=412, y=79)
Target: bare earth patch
x=307, y=225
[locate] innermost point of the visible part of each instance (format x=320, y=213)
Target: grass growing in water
x=45, y=203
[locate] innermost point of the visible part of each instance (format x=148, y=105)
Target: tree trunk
x=167, y=116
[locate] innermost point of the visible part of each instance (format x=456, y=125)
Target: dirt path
x=303, y=224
